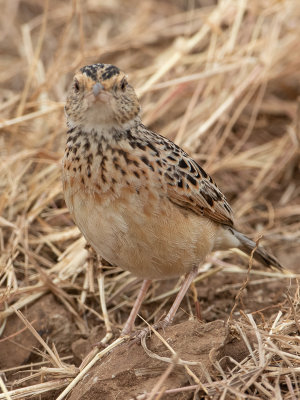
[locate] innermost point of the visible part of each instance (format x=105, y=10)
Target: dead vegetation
x=223, y=81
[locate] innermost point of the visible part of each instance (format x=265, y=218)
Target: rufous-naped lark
x=142, y=202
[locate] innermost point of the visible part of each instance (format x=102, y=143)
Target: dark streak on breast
x=89, y=173
x=87, y=145
x=89, y=159
x=99, y=149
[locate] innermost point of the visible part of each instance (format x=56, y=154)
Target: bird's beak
x=97, y=88
x=98, y=93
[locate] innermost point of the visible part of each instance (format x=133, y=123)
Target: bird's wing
x=189, y=186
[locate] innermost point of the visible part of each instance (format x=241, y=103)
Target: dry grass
x=223, y=82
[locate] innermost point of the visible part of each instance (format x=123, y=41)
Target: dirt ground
x=128, y=371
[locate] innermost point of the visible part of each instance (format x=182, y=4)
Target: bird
x=139, y=199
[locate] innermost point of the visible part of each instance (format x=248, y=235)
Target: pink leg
x=135, y=309
x=171, y=314
x=184, y=288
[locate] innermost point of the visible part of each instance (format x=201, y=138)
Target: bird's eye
x=123, y=84
x=76, y=85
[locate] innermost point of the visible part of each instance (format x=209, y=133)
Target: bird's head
x=101, y=96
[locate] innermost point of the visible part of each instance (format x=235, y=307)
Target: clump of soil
x=128, y=371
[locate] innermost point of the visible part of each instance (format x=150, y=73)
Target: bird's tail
x=247, y=245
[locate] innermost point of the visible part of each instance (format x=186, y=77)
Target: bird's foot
x=137, y=336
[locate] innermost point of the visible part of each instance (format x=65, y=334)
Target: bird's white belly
x=152, y=239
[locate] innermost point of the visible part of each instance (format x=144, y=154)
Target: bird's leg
x=135, y=309
x=180, y=295
x=171, y=314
